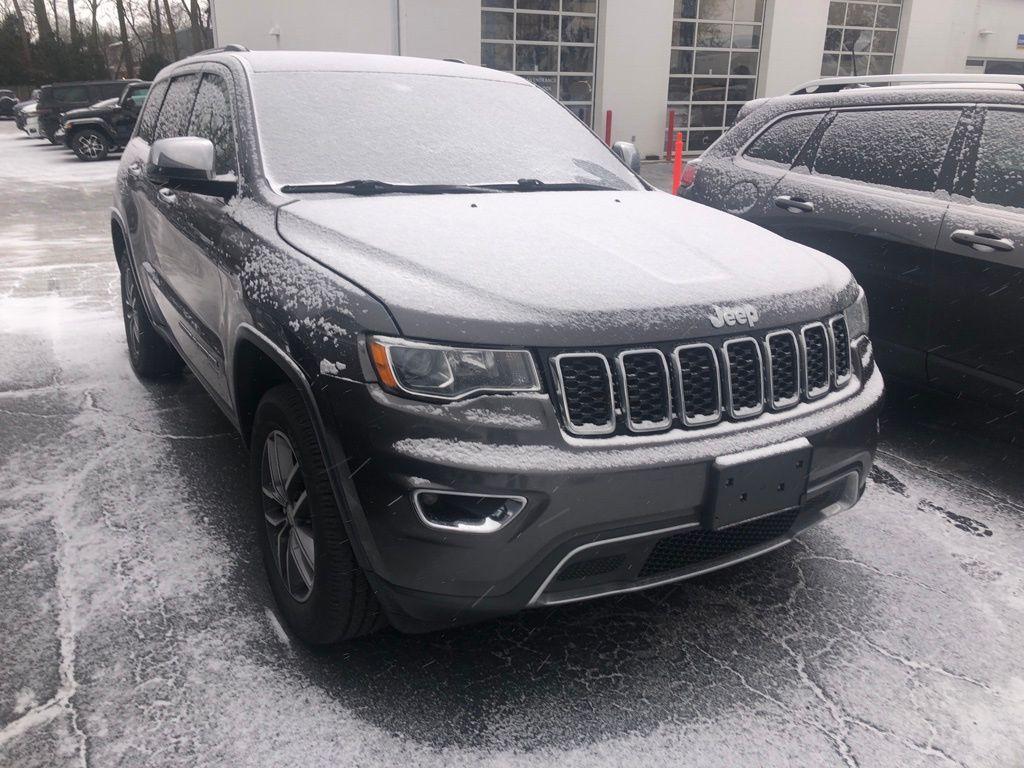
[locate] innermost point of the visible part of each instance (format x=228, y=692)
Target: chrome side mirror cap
x=187, y=163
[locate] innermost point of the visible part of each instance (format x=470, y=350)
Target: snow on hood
x=562, y=268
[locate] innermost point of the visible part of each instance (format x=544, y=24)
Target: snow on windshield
x=422, y=129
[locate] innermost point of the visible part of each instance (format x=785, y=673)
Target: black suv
x=918, y=188
x=94, y=132
x=8, y=100
x=58, y=98
x=477, y=370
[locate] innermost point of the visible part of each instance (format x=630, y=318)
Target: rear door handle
x=167, y=195
x=983, y=241
x=794, y=204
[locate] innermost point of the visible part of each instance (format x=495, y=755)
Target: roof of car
x=327, y=61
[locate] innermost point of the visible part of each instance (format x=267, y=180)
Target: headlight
x=450, y=373
x=857, y=316
x=67, y=127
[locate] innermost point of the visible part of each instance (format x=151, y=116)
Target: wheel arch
x=254, y=352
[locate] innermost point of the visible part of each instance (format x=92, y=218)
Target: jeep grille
x=695, y=385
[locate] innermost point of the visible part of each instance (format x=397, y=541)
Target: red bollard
x=677, y=163
x=608, y=127
x=669, y=133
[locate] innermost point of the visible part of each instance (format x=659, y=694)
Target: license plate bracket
x=746, y=486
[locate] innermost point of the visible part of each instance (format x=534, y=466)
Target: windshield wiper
x=368, y=187
x=536, y=185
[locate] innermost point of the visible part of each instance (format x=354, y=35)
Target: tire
x=323, y=594
x=52, y=138
x=90, y=145
x=150, y=354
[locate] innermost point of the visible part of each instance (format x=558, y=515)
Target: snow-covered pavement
x=136, y=628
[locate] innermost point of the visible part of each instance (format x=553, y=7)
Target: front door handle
x=982, y=241
x=794, y=204
x=167, y=195
x=135, y=170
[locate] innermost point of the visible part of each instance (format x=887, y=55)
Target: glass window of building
x=552, y=43
x=860, y=38
x=716, y=46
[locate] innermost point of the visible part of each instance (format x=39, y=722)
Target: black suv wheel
x=150, y=355
x=89, y=145
x=313, y=573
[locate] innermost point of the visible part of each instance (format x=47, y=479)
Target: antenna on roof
x=455, y=61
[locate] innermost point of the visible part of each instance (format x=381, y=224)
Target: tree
x=126, y=46
x=171, y=30
x=73, y=25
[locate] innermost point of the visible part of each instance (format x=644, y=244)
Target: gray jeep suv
x=479, y=363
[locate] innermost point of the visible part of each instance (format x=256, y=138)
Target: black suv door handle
x=983, y=242
x=167, y=195
x=794, y=204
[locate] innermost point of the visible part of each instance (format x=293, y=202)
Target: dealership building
x=631, y=68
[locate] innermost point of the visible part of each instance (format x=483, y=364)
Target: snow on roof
x=327, y=61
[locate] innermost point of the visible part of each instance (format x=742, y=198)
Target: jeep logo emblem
x=743, y=314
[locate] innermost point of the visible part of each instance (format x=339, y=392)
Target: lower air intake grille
x=816, y=360
x=682, y=550
x=585, y=381
x=596, y=566
x=699, y=384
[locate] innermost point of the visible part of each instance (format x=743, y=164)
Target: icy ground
x=136, y=628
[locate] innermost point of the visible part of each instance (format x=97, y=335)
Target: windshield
x=318, y=127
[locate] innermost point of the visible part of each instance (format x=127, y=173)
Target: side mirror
x=187, y=163
x=627, y=152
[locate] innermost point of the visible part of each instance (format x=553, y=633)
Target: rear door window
x=177, y=107
x=211, y=119
x=782, y=141
x=901, y=148
x=147, y=122
x=999, y=177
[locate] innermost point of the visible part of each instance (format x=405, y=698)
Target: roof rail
x=833, y=84
x=223, y=49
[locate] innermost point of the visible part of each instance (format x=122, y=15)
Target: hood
x=98, y=109
x=563, y=268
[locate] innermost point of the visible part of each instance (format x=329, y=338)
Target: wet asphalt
x=136, y=627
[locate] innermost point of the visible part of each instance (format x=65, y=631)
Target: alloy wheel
x=90, y=145
x=132, y=312
x=286, y=513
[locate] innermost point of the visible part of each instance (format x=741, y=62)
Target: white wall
x=794, y=38
x=440, y=29
x=634, y=42
x=361, y=26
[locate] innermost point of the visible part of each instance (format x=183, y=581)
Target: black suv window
x=211, y=119
x=783, y=140
x=177, y=106
x=901, y=148
x=137, y=96
x=108, y=90
x=999, y=178
x=70, y=93
x=147, y=122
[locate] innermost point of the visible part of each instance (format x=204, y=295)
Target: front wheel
x=90, y=145
x=313, y=573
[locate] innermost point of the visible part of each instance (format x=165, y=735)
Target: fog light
x=466, y=512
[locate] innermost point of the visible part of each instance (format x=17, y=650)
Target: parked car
x=8, y=100
x=20, y=108
x=94, y=132
x=61, y=97
x=492, y=370
x=918, y=188
x=27, y=120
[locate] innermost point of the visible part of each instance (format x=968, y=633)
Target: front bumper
x=612, y=501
